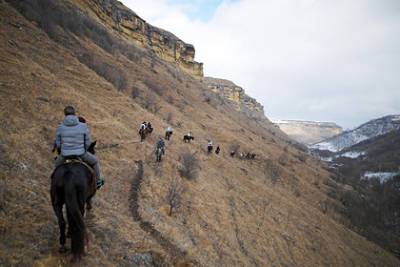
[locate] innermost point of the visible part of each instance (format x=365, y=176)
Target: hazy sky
x=325, y=60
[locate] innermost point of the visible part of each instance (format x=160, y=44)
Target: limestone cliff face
x=236, y=96
x=166, y=45
x=308, y=132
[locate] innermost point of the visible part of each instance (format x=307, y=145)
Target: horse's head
x=91, y=147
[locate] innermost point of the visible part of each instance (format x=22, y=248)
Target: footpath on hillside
x=178, y=255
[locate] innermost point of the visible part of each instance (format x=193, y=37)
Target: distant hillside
x=372, y=169
x=308, y=132
x=378, y=154
x=366, y=131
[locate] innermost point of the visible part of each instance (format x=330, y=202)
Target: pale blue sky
x=198, y=9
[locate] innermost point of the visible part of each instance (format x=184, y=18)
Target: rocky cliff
x=163, y=43
x=308, y=132
x=236, y=96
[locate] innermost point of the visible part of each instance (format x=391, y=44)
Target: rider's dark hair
x=69, y=110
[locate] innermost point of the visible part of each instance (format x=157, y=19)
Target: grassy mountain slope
x=273, y=211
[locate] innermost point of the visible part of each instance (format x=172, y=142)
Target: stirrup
x=99, y=183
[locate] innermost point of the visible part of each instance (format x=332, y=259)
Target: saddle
x=76, y=159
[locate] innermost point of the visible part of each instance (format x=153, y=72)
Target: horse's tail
x=74, y=200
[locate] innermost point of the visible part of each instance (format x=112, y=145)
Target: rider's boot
x=99, y=182
x=99, y=178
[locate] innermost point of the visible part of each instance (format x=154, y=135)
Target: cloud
x=302, y=59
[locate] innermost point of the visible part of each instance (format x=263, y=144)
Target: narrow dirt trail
x=178, y=256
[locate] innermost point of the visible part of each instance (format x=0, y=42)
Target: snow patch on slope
x=381, y=176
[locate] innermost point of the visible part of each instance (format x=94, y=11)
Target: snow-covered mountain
x=366, y=131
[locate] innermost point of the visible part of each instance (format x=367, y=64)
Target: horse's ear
x=91, y=147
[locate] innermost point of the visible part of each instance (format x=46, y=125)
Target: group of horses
x=242, y=155
x=74, y=184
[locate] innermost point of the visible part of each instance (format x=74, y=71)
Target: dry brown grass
x=230, y=215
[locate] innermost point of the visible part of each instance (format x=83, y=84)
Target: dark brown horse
x=168, y=135
x=73, y=184
x=187, y=138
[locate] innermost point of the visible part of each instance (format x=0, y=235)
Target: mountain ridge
x=365, y=131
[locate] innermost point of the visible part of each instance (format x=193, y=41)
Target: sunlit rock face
x=308, y=132
x=164, y=44
x=236, y=96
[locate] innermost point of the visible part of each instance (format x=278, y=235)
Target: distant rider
x=143, y=126
x=209, y=146
x=161, y=144
x=168, y=132
x=73, y=139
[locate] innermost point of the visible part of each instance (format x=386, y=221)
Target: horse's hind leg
x=61, y=224
x=57, y=202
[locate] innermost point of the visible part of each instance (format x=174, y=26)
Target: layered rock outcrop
x=308, y=132
x=165, y=44
x=236, y=96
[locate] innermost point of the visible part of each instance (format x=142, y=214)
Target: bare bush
x=283, y=159
x=154, y=86
x=170, y=100
x=169, y=117
x=52, y=15
x=272, y=170
x=2, y=195
x=213, y=99
x=135, y=92
x=109, y=72
x=175, y=195
x=189, y=166
x=302, y=157
x=150, y=103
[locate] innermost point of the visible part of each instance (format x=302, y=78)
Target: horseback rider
x=168, y=132
x=209, y=146
x=161, y=144
x=73, y=139
x=143, y=126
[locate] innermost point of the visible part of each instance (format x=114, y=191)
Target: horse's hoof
x=62, y=249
